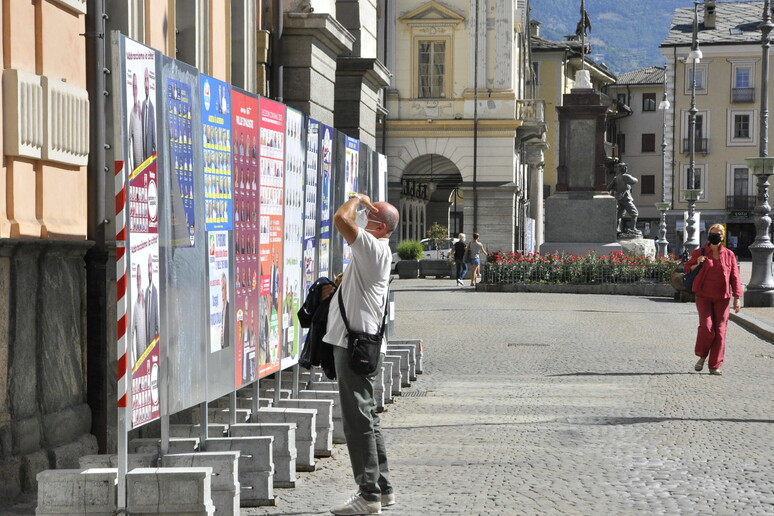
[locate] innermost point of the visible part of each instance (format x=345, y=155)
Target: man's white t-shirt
x=363, y=289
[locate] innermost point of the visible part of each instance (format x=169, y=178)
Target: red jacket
x=730, y=271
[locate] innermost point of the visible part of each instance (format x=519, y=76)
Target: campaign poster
x=244, y=150
x=310, y=204
x=293, y=241
x=143, y=235
x=219, y=184
x=381, y=177
x=181, y=155
x=217, y=260
x=326, y=193
x=351, y=171
x=272, y=154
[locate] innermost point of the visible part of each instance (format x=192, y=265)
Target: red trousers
x=711, y=337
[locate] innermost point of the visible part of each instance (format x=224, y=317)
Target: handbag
x=689, y=277
x=363, y=349
x=468, y=256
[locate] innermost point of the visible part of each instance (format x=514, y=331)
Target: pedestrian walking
x=363, y=294
x=715, y=284
x=459, y=255
x=476, y=248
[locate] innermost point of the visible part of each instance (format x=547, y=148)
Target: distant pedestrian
x=715, y=284
x=476, y=248
x=459, y=255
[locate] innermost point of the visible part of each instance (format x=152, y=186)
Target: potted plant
x=409, y=252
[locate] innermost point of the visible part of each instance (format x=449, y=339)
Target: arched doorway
x=430, y=192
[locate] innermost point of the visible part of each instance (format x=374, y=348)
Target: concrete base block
x=243, y=402
x=323, y=386
x=179, y=491
x=256, y=466
x=194, y=431
x=412, y=361
x=323, y=444
x=418, y=352
x=133, y=460
x=283, y=450
x=404, y=365
x=333, y=395
x=269, y=393
x=226, y=502
x=75, y=491
x=306, y=422
x=66, y=456
x=397, y=378
x=225, y=488
x=221, y=415
x=387, y=380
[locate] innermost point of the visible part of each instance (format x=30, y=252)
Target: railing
x=531, y=111
x=741, y=202
x=742, y=95
x=578, y=274
x=700, y=145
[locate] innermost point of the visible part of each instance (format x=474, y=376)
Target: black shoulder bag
x=363, y=348
x=688, y=278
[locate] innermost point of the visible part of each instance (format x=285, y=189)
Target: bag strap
x=384, y=313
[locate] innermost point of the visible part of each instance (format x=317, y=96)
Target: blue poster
x=181, y=148
x=326, y=172
x=216, y=124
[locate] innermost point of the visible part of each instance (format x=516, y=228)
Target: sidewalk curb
x=752, y=325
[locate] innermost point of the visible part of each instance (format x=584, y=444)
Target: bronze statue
x=621, y=188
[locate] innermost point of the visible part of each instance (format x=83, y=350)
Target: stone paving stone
x=565, y=404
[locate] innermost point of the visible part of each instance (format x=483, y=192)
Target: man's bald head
x=388, y=214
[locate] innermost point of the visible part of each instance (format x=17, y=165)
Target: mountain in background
x=625, y=34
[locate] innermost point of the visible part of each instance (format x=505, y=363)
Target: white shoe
x=388, y=499
x=459, y=282
x=358, y=505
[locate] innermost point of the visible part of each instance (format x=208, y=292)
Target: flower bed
x=562, y=268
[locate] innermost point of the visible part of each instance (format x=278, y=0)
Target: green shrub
x=410, y=250
x=437, y=233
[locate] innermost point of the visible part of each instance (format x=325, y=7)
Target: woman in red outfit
x=716, y=283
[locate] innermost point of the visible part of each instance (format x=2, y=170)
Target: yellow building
x=462, y=132
x=727, y=120
x=637, y=129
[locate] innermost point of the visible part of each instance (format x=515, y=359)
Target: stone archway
x=430, y=193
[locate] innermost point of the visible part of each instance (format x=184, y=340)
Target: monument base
x=638, y=246
x=598, y=248
x=580, y=222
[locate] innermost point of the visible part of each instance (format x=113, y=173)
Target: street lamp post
x=692, y=194
x=663, y=206
x=760, y=290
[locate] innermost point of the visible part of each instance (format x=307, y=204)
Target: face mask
x=714, y=238
x=361, y=217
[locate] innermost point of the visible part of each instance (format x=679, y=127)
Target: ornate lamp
x=663, y=206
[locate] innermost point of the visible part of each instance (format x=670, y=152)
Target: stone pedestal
x=638, y=246
x=577, y=222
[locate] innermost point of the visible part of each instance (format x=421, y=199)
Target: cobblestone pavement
x=565, y=404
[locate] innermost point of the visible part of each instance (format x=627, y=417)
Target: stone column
x=313, y=42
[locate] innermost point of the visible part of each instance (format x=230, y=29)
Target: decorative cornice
x=451, y=128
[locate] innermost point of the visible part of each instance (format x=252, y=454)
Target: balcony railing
x=742, y=95
x=741, y=202
x=531, y=111
x=700, y=145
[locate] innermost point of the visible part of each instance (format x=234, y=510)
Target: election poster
x=244, y=150
x=351, y=171
x=326, y=194
x=141, y=161
x=217, y=259
x=218, y=182
x=181, y=156
x=272, y=155
x=292, y=278
x=310, y=203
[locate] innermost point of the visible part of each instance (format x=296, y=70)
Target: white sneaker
x=358, y=505
x=388, y=499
